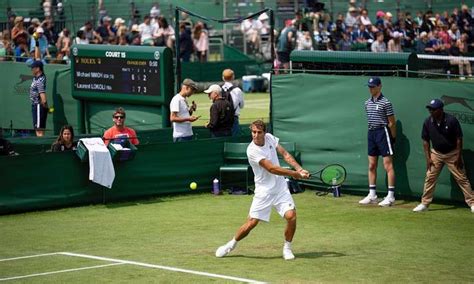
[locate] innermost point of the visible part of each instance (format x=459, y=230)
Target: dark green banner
x=325, y=116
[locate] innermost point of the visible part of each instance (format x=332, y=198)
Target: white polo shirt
x=180, y=105
x=265, y=182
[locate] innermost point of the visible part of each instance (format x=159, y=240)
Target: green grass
x=256, y=107
x=336, y=241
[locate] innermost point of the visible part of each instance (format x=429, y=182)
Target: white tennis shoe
x=369, y=199
x=472, y=208
x=288, y=254
x=387, y=201
x=421, y=207
x=224, y=250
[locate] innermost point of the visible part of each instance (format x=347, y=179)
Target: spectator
x=286, y=43
x=18, y=34
x=379, y=45
x=251, y=28
x=380, y=15
x=305, y=42
x=364, y=18
x=237, y=97
x=459, y=48
x=43, y=44
x=465, y=20
x=65, y=141
x=155, y=13
x=181, y=115
x=119, y=24
x=63, y=44
x=444, y=133
x=361, y=36
x=90, y=34
x=134, y=35
x=105, y=29
x=221, y=113
x=119, y=133
x=422, y=43
x=344, y=43
x=147, y=31
x=352, y=17
x=164, y=36
x=6, y=45
x=394, y=44
x=22, y=53
x=201, y=42
x=81, y=38
x=186, y=20
x=454, y=32
x=186, y=45
x=435, y=45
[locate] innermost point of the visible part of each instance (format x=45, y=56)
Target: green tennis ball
x=193, y=186
x=51, y=110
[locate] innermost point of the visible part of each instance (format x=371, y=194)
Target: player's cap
x=213, y=88
x=435, y=104
x=190, y=83
x=39, y=30
x=36, y=63
x=374, y=82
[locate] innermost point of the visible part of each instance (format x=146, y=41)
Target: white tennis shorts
x=262, y=204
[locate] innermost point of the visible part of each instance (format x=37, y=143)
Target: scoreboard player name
x=96, y=75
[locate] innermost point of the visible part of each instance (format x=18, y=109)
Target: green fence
x=329, y=113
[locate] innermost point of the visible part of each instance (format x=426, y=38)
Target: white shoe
x=387, y=201
x=421, y=207
x=472, y=208
x=369, y=199
x=288, y=254
x=224, y=250
x=462, y=78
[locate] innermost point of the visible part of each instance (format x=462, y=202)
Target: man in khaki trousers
x=445, y=134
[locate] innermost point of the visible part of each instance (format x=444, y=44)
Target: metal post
x=224, y=26
x=178, y=61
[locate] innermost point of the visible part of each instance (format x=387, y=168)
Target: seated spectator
x=19, y=34
x=147, y=31
x=63, y=44
x=352, y=17
x=43, y=44
x=119, y=133
x=251, y=28
x=344, y=44
x=459, y=48
x=6, y=50
x=394, y=44
x=435, y=45
x=81, y=38
x=21, y=52
x=164, y=35
x=305, y=42
x=118, y=23
x=90, y=34
x=422, y=43
x=379, y=45
x=454, y=32
x=65, y=141
x=105, y=29
x=364, y=18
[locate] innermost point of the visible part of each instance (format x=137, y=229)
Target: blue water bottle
x=215, y=186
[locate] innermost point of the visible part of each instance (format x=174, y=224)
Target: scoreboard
x=120, y=73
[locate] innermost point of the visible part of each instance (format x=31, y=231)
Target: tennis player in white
x=271, y=189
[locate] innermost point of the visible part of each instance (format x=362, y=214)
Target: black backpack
x=228, y=97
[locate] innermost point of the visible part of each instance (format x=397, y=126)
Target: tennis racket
x=333, y=175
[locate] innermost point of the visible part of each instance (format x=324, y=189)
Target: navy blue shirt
x=378, y=110
x=443, y=135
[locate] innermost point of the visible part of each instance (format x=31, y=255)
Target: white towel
x=101, y=168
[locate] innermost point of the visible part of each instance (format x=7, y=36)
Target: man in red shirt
x=119, y=133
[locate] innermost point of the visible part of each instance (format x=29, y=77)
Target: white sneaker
x=462, y=78
x=472, y=208
x=288, y=254
x=421, y=207
x=224, y=250
x=387, y=201
x=369, y=199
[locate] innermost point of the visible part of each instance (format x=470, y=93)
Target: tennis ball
x=51, y=110
x=193, y=186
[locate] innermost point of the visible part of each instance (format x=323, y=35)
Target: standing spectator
x=221, y=113
x=379, y=45
x=286, y=43
x=201, y=42
x=186, y=45
x=381, y=137
x=394, y=44
x=271, y=189
x=119, y=133
x=237, y=97
x=181, y=114
x=164, y=35
x=65, y=140
x=444, y=133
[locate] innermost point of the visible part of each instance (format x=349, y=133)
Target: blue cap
x=36, y=63
x=374, y=82
x=435, y=104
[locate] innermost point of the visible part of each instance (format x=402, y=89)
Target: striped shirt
x=38, y=86
x=378, y=111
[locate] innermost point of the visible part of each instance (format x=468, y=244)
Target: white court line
x=161, y=267
x=59, y=271
x=28, y=256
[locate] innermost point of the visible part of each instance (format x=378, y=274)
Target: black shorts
x=380, y=142
x=39, y=114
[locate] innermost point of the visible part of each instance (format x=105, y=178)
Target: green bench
x=237, y=171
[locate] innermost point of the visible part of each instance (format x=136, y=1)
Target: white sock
x=372, y=192
x=287, y=244
x=391, y=192
x=233, y=242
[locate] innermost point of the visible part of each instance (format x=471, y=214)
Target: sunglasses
x=119, y=116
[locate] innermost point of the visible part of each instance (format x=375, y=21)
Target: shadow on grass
x=132, y=203
x=308, y=255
